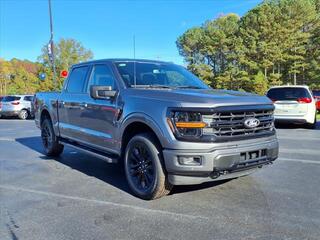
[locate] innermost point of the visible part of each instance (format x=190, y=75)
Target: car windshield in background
x=157, y=75
x=288, y=93
x=10, y=98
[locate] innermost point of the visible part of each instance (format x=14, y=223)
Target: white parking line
x=301, y=151
x=298, y=160
x=299, y=138
x=57, y=195
x=7, y=139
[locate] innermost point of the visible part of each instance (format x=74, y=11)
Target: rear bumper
x=300, y=119
x=219, y=164
x=9, y=113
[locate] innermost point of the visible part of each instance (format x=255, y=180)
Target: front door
x=98, y=116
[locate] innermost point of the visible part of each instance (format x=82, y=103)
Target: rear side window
x=28, y=98
x=10, y=98
x=288, y=93
x=77, y=80
x=102, y=76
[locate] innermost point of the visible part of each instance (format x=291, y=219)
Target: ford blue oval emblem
x=251, y=122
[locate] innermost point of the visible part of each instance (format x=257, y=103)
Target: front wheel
x=144, y=168
x=50, y=142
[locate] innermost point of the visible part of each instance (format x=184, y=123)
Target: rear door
x=290, y=100
x=71, y=104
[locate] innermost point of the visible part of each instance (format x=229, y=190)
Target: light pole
x=51, y=48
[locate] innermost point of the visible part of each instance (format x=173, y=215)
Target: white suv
x=16, y=105
x=293, y=104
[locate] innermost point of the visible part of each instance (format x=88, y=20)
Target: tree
x=67, y=52
x=278, y=38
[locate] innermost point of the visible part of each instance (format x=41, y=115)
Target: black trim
x=213, y=138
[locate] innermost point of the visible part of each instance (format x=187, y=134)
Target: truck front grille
x=230, y=124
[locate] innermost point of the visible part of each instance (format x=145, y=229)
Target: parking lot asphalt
x=80, y=197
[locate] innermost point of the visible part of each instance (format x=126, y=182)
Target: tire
x=50, y=141
x=23, y=114
x=144, y=168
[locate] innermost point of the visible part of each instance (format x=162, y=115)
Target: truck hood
x=200, y=97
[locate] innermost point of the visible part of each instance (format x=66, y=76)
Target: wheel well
x=133, y=129
x=44, y=114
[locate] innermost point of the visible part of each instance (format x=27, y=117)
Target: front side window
x=146, y=74
x=77, y=79
x=102, y=76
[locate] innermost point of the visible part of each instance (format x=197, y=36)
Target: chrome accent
x=236, y=123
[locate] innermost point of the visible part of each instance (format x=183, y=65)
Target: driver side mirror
x=102, y=92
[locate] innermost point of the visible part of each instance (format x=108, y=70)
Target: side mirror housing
x=102, y=92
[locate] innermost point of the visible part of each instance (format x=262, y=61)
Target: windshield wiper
x=151, y=86
x=191, y=87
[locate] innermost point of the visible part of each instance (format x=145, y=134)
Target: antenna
x=134, y=61
x=134, y=47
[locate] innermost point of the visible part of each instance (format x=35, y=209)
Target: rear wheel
x=49, y=139
x=144, y=168
x=23, y=114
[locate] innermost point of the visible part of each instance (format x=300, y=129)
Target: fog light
x=189, y=160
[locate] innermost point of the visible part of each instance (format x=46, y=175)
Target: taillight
x=304, y=100
x=15, y=103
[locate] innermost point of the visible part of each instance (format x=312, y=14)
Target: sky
x=107, y=27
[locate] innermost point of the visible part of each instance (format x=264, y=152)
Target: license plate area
x=253, y=155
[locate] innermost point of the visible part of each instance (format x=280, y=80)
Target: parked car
x=316, y=95
x=17, y=105
x=1, y=97
x=164, y=124
x=293, y=104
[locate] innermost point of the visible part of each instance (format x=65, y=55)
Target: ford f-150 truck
x=163, y=124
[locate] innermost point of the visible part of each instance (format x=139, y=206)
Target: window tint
x=77, y=79
x=10, y=98
x=144, y=74
x=28, y=98
x=102, y=76
x=288, y=93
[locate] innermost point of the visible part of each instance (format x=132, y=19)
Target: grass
x=318, y=116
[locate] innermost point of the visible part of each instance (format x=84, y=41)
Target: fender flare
x=145, y=119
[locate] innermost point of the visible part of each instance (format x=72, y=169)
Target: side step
x=109, y=158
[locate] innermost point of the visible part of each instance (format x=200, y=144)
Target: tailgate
x=290, y=108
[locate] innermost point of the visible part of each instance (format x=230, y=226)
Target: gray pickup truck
x=163, y=124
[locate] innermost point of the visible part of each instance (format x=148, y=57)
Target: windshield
x=140, y=74
x=287, y=93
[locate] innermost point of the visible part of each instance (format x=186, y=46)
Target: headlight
x=186, y=124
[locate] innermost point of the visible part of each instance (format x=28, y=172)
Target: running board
x=98, y=154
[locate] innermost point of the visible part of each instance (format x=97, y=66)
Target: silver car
x=16, y=105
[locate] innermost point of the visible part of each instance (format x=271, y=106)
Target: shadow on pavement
x=89, y=165
x=294, y=126
x=109, y=173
